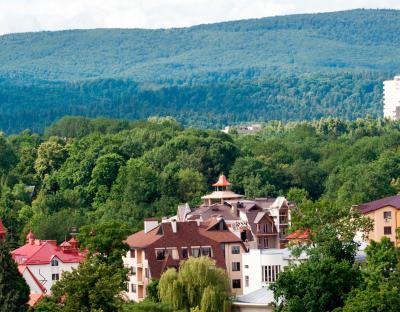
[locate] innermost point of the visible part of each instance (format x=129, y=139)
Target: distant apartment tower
x=391, y=98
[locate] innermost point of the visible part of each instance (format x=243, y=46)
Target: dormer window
x=54, y=262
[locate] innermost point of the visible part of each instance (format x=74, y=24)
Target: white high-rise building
x=391, y=98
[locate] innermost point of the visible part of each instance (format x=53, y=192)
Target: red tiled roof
x=2, y=229
x=206, y=212
x=41, y=252
x=298, y=234
x=393, y=201
x=222, y=181
x=142, y=239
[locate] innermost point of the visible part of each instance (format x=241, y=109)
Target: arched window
x=54, y=262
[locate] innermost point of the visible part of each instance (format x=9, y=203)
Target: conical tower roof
x=222, y=181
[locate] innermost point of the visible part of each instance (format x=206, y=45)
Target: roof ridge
x=31, y=256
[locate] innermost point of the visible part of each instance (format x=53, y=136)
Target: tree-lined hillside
x=284, y=68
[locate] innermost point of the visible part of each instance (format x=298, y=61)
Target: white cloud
x=36, y=15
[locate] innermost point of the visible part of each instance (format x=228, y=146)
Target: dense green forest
x=280, y=68
x=83, y=171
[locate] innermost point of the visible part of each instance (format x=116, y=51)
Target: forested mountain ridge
x=285, y=68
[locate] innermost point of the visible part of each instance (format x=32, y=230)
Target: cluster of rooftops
x=223, y=218
x=37, y=251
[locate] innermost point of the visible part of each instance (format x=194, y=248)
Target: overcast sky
x=36, y=15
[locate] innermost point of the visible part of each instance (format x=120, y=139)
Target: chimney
x=150, y=224
x=174, y=226
x=30, y=238
x=235, y=210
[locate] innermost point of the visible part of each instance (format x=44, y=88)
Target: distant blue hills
x=293, y=67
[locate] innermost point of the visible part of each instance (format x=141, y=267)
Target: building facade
x=391, y=98
x=164, y=245
x=385, y=214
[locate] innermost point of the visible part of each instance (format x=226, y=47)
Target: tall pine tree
x=14, y=292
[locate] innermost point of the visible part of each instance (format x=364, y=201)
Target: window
x=146, y=273
x=235, y=250
x=184, y=253
x=246, y=281
x=55, y=277
x=133, y=288
x=133, y=270
x=236, y=283
x=387, y=215
x=133, y=253
x=160, y=254
x=196, y=252
x=246, y=266
x=270, y=273
x=173, y=252
x=235, y=266
x=206, y=251
x=387, y=230
x=54, y=262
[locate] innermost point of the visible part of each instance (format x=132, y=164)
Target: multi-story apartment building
x=260, y=223
x=391, y=98
x=385, y=214
x=42, y=262
x=164, y=245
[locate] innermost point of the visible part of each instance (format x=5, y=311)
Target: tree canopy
x=197, y=284
x=14, y=292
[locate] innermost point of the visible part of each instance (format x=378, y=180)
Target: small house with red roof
x=164, y=245
x=299, y=237
x=42, y=262
x=385, y=214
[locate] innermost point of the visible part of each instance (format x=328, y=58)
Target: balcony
x=139, y=257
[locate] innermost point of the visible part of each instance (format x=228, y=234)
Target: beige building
x=385, y=214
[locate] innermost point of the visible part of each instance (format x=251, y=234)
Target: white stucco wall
x=43, y=273
x=255, y=259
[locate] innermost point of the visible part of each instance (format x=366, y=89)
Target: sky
x=38, y=15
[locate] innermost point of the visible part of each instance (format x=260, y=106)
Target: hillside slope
x=287, y=68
